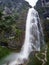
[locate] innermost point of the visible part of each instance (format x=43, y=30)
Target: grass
x=4, y=52
x=33, y=60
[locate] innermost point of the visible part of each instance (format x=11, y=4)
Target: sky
x=32, y=2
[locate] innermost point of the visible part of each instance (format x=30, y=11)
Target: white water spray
x=33, y=38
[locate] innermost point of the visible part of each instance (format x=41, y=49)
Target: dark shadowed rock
x=10, y=5
x=3, y=44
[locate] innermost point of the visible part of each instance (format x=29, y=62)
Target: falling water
x=32, y=42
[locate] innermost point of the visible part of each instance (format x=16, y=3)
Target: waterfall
x=32, y=42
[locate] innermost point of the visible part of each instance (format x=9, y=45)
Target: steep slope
x=11, y=5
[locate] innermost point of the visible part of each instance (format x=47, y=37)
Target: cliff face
x=11, y=5
x=12, y=32
x=38, y=4
x=47, y=0
x=44, y=14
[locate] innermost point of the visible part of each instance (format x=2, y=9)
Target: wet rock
x=3, y=44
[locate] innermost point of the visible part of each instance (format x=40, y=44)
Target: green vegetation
x=10, y=32
x=7, y=21
x=48, y=54
x=9, y=26
x=46, y=30
x=35, y=61
x=4, y=52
